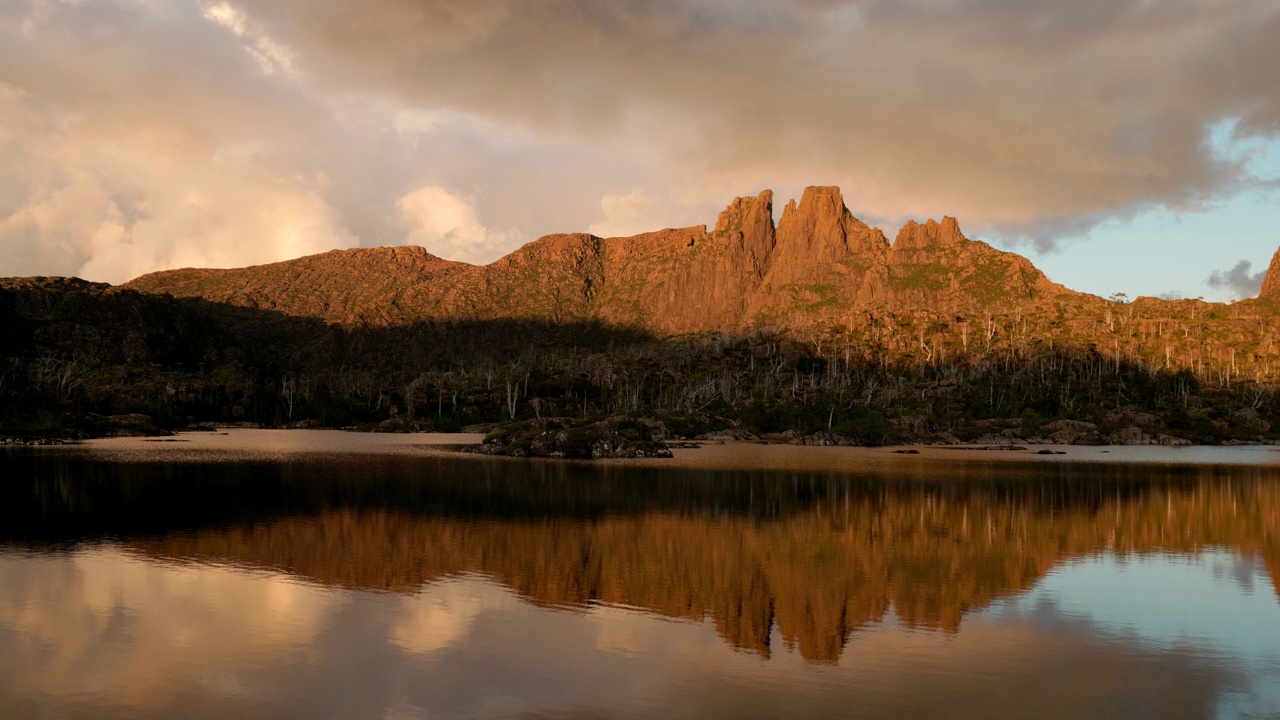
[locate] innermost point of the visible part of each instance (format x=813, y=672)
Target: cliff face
x=819, y=264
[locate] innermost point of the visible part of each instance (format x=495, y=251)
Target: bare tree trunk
x=513, y=396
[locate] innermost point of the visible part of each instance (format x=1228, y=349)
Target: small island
x=616, y=437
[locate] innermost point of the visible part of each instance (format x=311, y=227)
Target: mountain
x=819, y=264
x=818, y=326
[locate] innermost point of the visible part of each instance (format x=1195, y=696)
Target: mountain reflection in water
x=801, y=561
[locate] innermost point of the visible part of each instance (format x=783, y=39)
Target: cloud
x=626, y=215
x=141, y=134
x=94, y=208
x=447, y=225
x=1238, y=281
x=1028, y=118
x=270, y=55
x=125, y=160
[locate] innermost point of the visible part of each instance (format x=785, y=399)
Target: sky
x=1123, y=145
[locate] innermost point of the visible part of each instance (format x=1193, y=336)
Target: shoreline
x=732, y=455
x=628, y=435
x=986, y=444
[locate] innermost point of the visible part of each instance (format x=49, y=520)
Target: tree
x=288, y=391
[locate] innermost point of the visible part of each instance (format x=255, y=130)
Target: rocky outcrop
x=1073, y=432
x=930, y=237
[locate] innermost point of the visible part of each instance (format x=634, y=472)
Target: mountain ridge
x=818, y=325
x=817, y=264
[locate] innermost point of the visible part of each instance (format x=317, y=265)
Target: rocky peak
x=818, y=203
x=748, y=224
x=822, y=254
x=1271, y=283
x=821, y=229
x=932, y=234
x=745, y=211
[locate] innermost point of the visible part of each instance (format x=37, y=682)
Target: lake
x=276, y=574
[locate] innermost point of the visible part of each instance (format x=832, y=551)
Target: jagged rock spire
x=748, y=221
x=821, y=229
x=1271, y=283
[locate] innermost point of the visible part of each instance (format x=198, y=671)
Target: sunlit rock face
x=1271, y=283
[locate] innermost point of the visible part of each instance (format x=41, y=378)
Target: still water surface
x=302, y=574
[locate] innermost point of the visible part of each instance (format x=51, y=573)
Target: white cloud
x=270, y=55
x=117, y=162
x=227, y=16
x=106, y=211
x=629, y=214
x=447, y=225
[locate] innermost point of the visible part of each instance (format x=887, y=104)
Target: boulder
x=1249, y=419
x=727, y=434
x=1130, y=436
x=1073, y=432
x=131, y=425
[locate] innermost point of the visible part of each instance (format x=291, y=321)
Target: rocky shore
x=915, y=431
x=623, y=436
x=86, y=427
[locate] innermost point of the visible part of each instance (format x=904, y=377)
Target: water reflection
x=124, y=637
x=106, y=623
x=427, y=586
